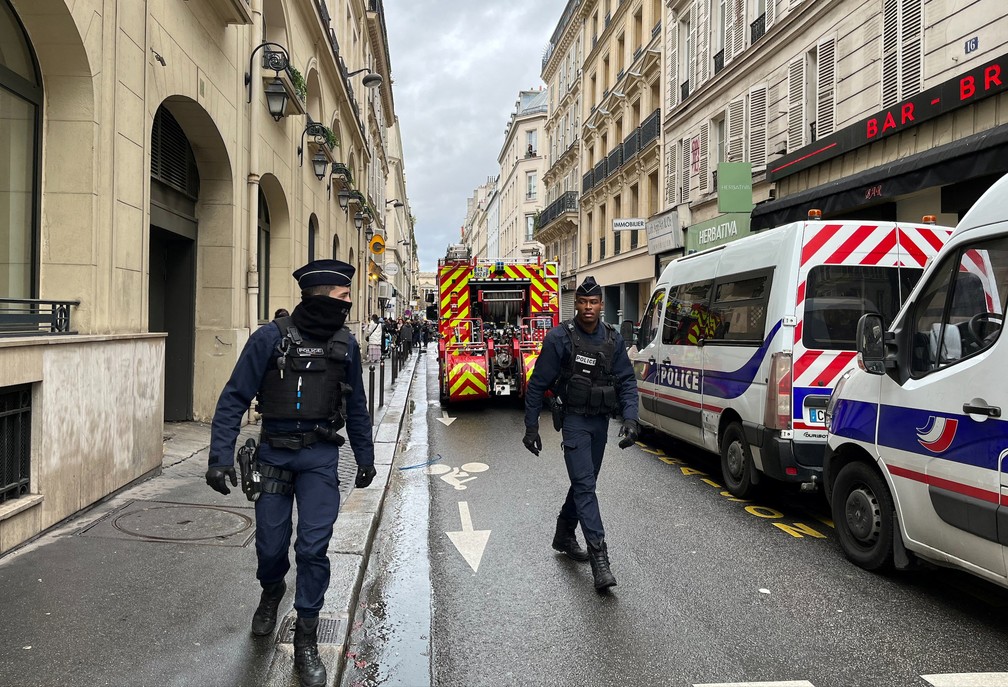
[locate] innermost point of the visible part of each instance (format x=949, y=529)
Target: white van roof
x=990, y=208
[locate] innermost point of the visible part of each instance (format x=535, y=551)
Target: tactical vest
x=587, y=385
x=307, y=380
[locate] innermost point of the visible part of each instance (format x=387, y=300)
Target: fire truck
x=493, y=315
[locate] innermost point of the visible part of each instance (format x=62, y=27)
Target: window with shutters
x=670, y=175
x=825, y=115
x=685, y=55
x=736, y=131
x=902, y=50
x=758, y=126
x=720, y=139
x=809, y=96
x=796, y=104
x=721, y=39
x=701, y=22
x=672, y=64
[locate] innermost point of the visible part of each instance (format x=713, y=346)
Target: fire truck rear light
x=815, y=214
x=791, y=471
x=929, y=219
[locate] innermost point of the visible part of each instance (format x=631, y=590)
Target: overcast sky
x=457, y=67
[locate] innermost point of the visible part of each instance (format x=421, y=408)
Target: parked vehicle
x=494, y=315
x=740, y=346
x=917, y=458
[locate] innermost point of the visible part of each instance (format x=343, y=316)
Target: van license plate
x=817, y=416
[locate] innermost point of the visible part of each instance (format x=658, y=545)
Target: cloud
x=457, y=67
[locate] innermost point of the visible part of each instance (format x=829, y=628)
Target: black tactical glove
x=531, y=439
x=217, y=476
x=630, y=432
x=365, y=473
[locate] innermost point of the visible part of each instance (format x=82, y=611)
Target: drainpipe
x=252, y=276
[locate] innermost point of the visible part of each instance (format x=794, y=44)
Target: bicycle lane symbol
x=457, y=477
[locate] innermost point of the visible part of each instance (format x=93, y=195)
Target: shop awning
x=977, y=155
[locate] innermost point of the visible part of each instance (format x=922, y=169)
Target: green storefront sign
x=734, y=187
x=715, y=232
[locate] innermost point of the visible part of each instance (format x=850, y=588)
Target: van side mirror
x=870, y=343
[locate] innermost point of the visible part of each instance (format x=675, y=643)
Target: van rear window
x=836, y=296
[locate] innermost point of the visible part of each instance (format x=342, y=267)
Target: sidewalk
x=156, y=585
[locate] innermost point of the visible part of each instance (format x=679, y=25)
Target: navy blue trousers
x=316, y=490
x=584, y=442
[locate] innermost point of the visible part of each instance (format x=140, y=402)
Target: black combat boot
x=306, y=656
x=566, y=542
x=599, y=557
x=264, y=618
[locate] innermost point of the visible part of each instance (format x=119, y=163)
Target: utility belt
x=293, y=441
x=256, y=477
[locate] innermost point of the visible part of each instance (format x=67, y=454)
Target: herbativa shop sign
x=714, y=232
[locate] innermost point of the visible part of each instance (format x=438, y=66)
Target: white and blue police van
x=917, y=458
x=740, y=345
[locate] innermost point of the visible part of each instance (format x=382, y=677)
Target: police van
x=917, y=458
x=740, y=345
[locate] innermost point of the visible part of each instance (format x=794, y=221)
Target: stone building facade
x=157, y=206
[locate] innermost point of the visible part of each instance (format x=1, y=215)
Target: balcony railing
x=599, y=173
x=758, y=28
x=684, y=90
x=631, y=144
x=587, y=182
x=31, y=317
x=567, y=202
x=656, y=29
x=650, y=128
x=615, y=159
x=719, y=61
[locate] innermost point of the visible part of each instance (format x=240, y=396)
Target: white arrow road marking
x=445, y=420
x=469, y=542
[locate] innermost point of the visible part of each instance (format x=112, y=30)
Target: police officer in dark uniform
x=584, y=363
x=305, y=372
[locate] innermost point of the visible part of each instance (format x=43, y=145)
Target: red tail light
x=778, y=407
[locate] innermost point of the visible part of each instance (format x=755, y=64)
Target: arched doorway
x=172, y=261
x=335, y=247
x=313, y=231
x=263, y=248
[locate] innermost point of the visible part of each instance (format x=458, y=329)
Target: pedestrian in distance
x=305, y=372
x=374, y=333
x=584, y=362
x=406, y=337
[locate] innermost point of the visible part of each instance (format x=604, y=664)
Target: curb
x=350, y=548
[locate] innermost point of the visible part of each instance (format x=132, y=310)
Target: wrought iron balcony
x=567, y=202
x=719, y=61
x=600, y=172
x=32, y=317
x=631, y=144
x=587, y=181
x=650, y=128
x=615, y=159
x=684, y=90
x=758, y=28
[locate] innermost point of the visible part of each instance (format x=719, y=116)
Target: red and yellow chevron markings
x=467, y=380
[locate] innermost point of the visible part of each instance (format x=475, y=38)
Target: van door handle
x=981, y=408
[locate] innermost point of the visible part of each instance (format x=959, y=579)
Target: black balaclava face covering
x=319, y=317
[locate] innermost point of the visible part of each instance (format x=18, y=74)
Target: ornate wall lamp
x=372, y=80
x=320, y=162
x=395, y=203
x=276, y=95
x=344, y=199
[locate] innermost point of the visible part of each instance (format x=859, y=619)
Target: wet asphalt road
x=711, y=590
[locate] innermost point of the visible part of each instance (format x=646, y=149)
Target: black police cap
x=589, y=287
x=325, y=273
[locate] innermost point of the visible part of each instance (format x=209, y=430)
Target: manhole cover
x=172, y=522
x=161, y=521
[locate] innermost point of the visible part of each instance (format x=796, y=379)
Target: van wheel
x=736, y=462
x=863, y=515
